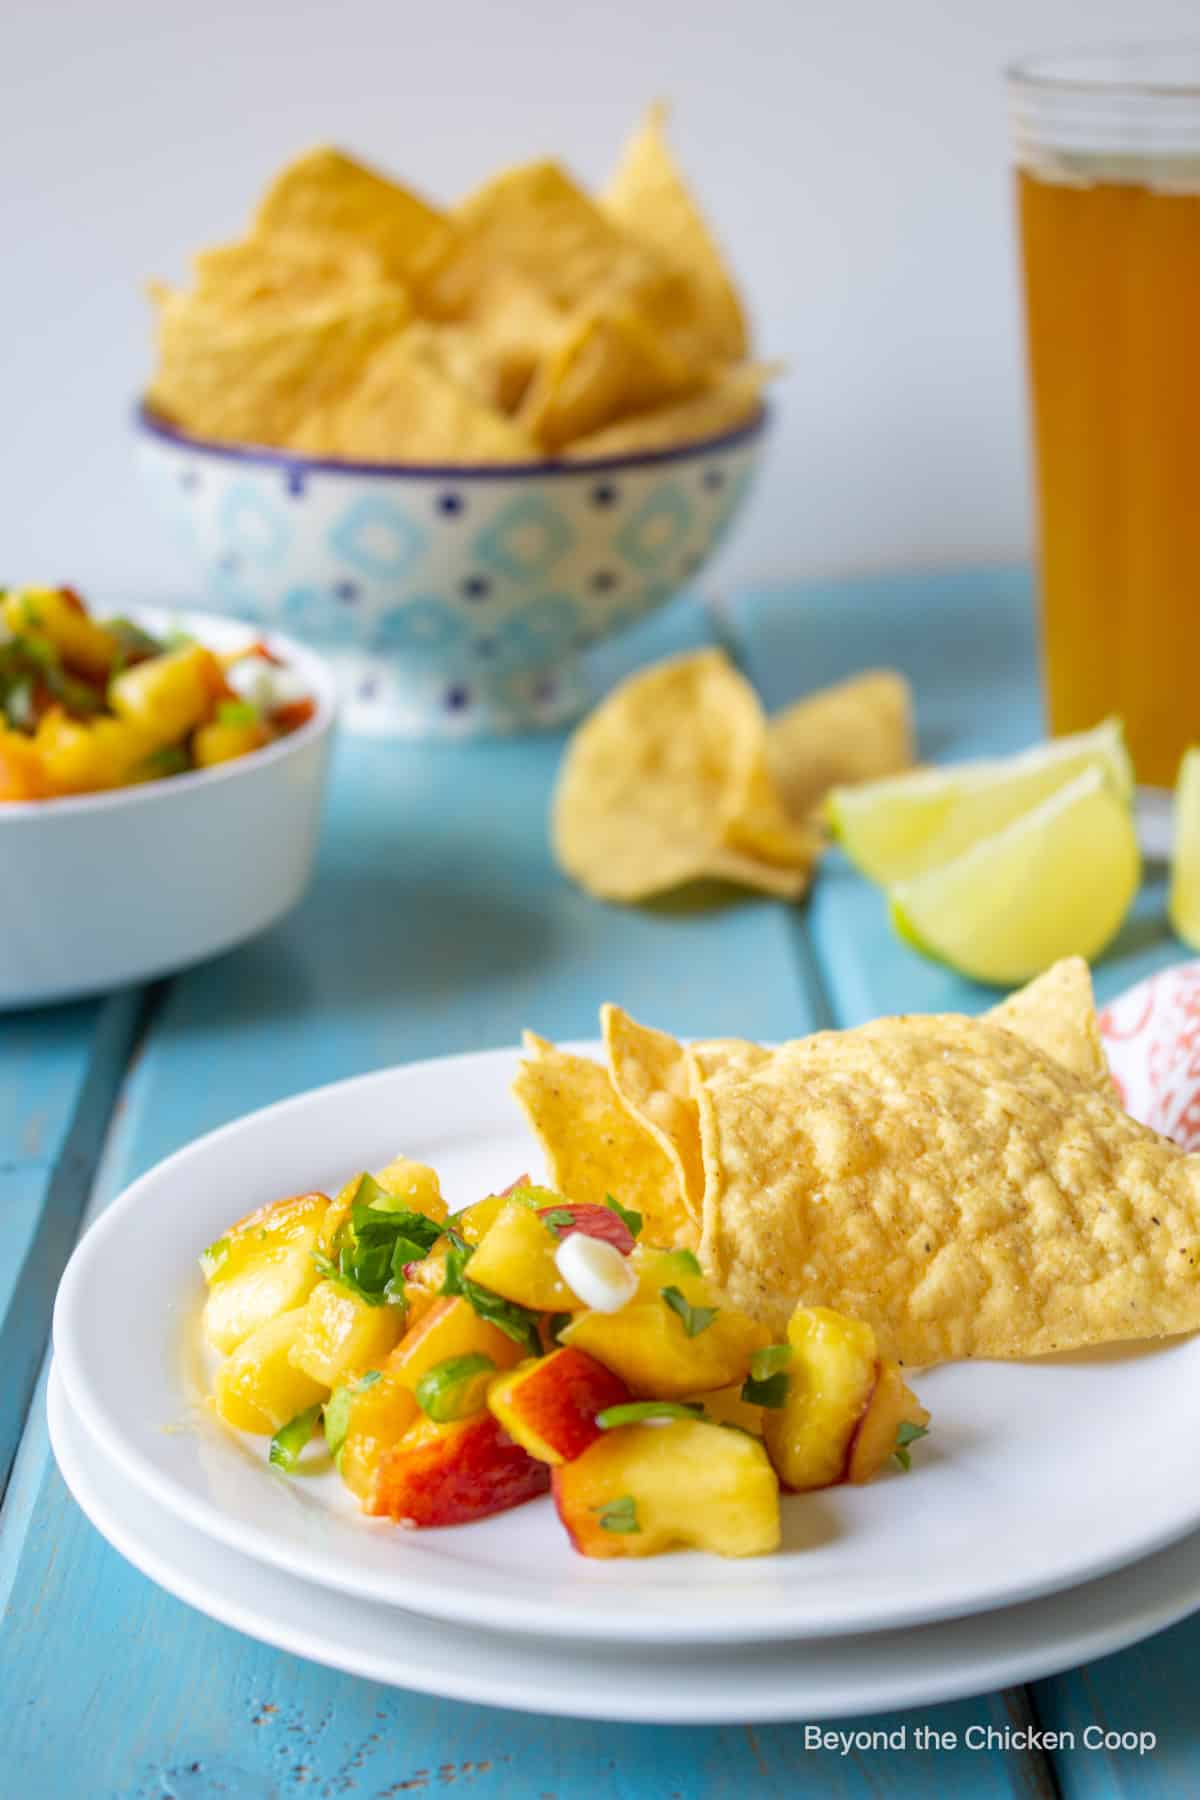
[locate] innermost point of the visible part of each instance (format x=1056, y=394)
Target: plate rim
x=1057, y=1650
x=456, y=1603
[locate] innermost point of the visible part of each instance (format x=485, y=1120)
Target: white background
x=852, y=155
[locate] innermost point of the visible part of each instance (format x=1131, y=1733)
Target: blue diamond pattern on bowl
x=525, y=539
x=543, y=633
x=424, y=627
x=253, y=526
x=313, y=612
x=655, y=532
x=378, y=537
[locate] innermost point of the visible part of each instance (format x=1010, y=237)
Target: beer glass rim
x=1169, y=70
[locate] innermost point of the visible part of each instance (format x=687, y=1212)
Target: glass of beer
x=1108, y=195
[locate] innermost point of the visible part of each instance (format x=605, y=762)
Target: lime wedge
x=1056, y=882
x=1183, y=901
x=897, y=827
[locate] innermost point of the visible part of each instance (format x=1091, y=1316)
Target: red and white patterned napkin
x=1152, y=1038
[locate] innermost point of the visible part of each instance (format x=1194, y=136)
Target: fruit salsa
x=456, y=1365
x=89, y=704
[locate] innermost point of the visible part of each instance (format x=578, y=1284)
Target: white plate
x=834, y=1679
x=1036, y=1476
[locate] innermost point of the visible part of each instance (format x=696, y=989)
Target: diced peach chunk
x=342, y=1335
x=725, y=1406
x=831, y=1377
x=549, y=1404
x=413, y=1185
x=642, y=1489
x=892, y=1404
x=676, y=1337
x=225, y=740
x=259, y=1388
x=515, y=1258
x=378, y=1415
x=452, y=1474
x=168, y=696
x=451, y=1327
x=22, y=773
x=263, y=1266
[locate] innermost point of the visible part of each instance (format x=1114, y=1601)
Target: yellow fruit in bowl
x=340, y=1335
x=263, y=1266
x=259, y=1388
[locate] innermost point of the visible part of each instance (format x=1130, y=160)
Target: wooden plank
x=438, y=923
x=59, y=1073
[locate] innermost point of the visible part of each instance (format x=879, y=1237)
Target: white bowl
x=105, y=889
x=449, y=601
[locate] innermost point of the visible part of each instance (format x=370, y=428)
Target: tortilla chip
x=944, y=1180
x=649, y=198
x=594, y=1146
x=665, y=783
x=1056, y=1013
x=604, y=366
x=407, y=407
x=287, y=273
x=536, y=223
x=650, y=1074
x=856, y=731
x=730, y=398
x=327, y=195
x=514, y=325
x=251, y=379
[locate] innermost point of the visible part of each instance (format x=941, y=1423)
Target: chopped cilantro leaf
x=557, y=1219
x=686, y=1260
x=631, y=1220
x=291, y=1439
x=906, y=1435
x=618, y=1515
x=695, y=1319
x=557, y=1323
x=516, y=1322
x=768, y=1381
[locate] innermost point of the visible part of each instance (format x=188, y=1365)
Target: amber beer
x=1108, y=189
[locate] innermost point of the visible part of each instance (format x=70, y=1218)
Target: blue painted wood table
x=438, y=923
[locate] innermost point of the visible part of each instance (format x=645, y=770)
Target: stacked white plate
x=1051, y=1517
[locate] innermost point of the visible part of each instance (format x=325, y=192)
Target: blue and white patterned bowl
x=450, y=601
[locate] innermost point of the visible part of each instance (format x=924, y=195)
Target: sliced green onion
x=636, y=1412
x=290, y=1440
x=456, y=1388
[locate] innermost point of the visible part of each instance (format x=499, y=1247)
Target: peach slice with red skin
x=642, y=1489
x=892, y=1404
x=549, y=1404
x=453, y=1474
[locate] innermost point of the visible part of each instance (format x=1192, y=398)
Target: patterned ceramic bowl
x=449, y=601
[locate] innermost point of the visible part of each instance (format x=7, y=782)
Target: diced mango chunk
x=22, y=772
x=451, y=1327
x=259, y=1388
x=515, y=1258
x=224, y=740
x=84, y=645
x=379, y=1412
x=642, y=1489
x=263, y=1266
x=342, y=1335
x=168, y=696
x=831, y=1377
x=88, y=757
x=676, y=1337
